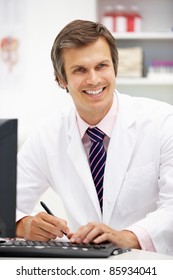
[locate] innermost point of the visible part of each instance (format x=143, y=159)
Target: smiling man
x=109, y=157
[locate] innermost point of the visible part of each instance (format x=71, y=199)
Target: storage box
x=130, y=62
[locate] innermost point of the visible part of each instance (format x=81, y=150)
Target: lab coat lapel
x=119, y=153
x=78, y=158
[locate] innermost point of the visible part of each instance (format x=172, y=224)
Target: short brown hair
x=76, y=34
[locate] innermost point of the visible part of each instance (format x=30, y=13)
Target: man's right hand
x=42, y=227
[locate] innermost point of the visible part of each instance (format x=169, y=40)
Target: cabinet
x=156, y=40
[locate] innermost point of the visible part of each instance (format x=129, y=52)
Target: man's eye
x=102, y=65
x=79, y=70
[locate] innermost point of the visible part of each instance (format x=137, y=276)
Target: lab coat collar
x=119, y=153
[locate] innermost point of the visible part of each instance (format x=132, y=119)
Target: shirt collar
x=106, y=124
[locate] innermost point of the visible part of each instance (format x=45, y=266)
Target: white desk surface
x=141, y=255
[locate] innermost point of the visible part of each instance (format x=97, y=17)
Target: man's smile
x=94, y=92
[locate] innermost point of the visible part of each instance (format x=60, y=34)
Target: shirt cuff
x=143, y=238
x=20, y=215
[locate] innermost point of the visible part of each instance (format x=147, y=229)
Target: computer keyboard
x=56, y=249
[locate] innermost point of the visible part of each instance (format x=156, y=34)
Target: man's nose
x=93, y=77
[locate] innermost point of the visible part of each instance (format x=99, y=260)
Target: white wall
x=38, y=94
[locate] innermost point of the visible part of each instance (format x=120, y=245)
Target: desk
x=141, y=255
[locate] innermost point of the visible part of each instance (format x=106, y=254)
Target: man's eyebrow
x=82, y=66
x=76, y=66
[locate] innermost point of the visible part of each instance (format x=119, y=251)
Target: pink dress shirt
x=106, y=125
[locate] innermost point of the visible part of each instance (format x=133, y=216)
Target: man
x=134, y=206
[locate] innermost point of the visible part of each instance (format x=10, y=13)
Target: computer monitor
x=8, y=162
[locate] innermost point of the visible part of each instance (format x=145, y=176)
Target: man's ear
x=62, y=83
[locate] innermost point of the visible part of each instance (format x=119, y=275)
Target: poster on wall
x=11, y=41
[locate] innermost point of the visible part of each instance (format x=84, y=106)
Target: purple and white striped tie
x=97, y=159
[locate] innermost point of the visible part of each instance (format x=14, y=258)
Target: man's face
x=90, y=79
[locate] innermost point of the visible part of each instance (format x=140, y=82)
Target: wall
x=37, y=95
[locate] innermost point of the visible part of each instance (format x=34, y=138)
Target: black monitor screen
x=8, y=162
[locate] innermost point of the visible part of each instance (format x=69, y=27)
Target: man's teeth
x=94, y=91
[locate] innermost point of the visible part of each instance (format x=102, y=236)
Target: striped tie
x=97, y=159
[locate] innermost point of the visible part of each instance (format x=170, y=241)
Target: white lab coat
x=138, y=180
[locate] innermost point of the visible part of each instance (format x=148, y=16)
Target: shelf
x=145, y=81
x=144, y=35
x=156, y=42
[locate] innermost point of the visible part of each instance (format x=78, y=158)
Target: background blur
x=28, y=91
x=32, y=93
x=27, y=31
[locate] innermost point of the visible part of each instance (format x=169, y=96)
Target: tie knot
x=95, y=134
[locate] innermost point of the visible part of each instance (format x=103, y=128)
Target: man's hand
x=97, y=233
x=41, y=227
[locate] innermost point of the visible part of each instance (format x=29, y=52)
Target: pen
x=49, y=212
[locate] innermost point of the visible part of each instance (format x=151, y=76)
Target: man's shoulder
x=60, y=116
x=51, y=127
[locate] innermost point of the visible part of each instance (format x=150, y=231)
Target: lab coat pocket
x=139, y=190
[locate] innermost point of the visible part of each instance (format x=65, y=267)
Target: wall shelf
x=156, y=41
x=144, y=36
x=144, y=81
